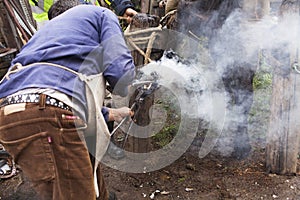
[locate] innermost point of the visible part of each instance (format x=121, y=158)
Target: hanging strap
x=18, y=67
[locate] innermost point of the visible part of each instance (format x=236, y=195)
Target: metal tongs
x=147, y=88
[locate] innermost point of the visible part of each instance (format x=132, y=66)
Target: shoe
x=112, y=196
x=115, y=152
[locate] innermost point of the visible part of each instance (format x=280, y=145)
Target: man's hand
x=117, y=114
x=129, y=13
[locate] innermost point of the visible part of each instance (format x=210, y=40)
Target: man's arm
x=117, y=64
x=122, y=7
x=116, y=114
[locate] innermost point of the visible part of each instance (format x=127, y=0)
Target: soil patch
x=188, y=178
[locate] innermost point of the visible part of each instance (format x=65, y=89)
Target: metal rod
x=10, y=12
x=126, y=136
x=117, y=127
x=22, y=18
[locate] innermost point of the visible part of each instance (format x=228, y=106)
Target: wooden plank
x=283, y=136
x=284, y=129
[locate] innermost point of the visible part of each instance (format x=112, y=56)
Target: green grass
x=170, y=129
x=260, y=111
x=166, y=135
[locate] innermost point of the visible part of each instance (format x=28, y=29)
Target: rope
x=18, y=66
x=167, y=15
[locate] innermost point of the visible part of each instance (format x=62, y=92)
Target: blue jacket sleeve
x=118, y=65
x=105, y=113
x=120, y=6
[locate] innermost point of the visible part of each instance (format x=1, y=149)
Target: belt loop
x=42, y=102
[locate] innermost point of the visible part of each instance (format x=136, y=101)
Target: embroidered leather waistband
x=33, y=98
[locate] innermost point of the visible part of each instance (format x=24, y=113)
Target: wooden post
x=265, y=7
x=283, y=135
x=145, y=6
x=284, y=132
x=135, y=142
x=256, y=8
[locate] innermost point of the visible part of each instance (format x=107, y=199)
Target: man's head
x=61, y=6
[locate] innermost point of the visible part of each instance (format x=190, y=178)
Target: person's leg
x=103, y=192
x=73, y=157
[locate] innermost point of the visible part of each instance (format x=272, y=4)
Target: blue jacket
x=85, y=38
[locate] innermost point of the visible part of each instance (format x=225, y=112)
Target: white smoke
x=241, y=41
x=198, y=84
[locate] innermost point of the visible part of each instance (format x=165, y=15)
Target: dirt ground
x=188, y=178
x=213, y=177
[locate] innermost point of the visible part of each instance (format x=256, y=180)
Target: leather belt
x=33, y=98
